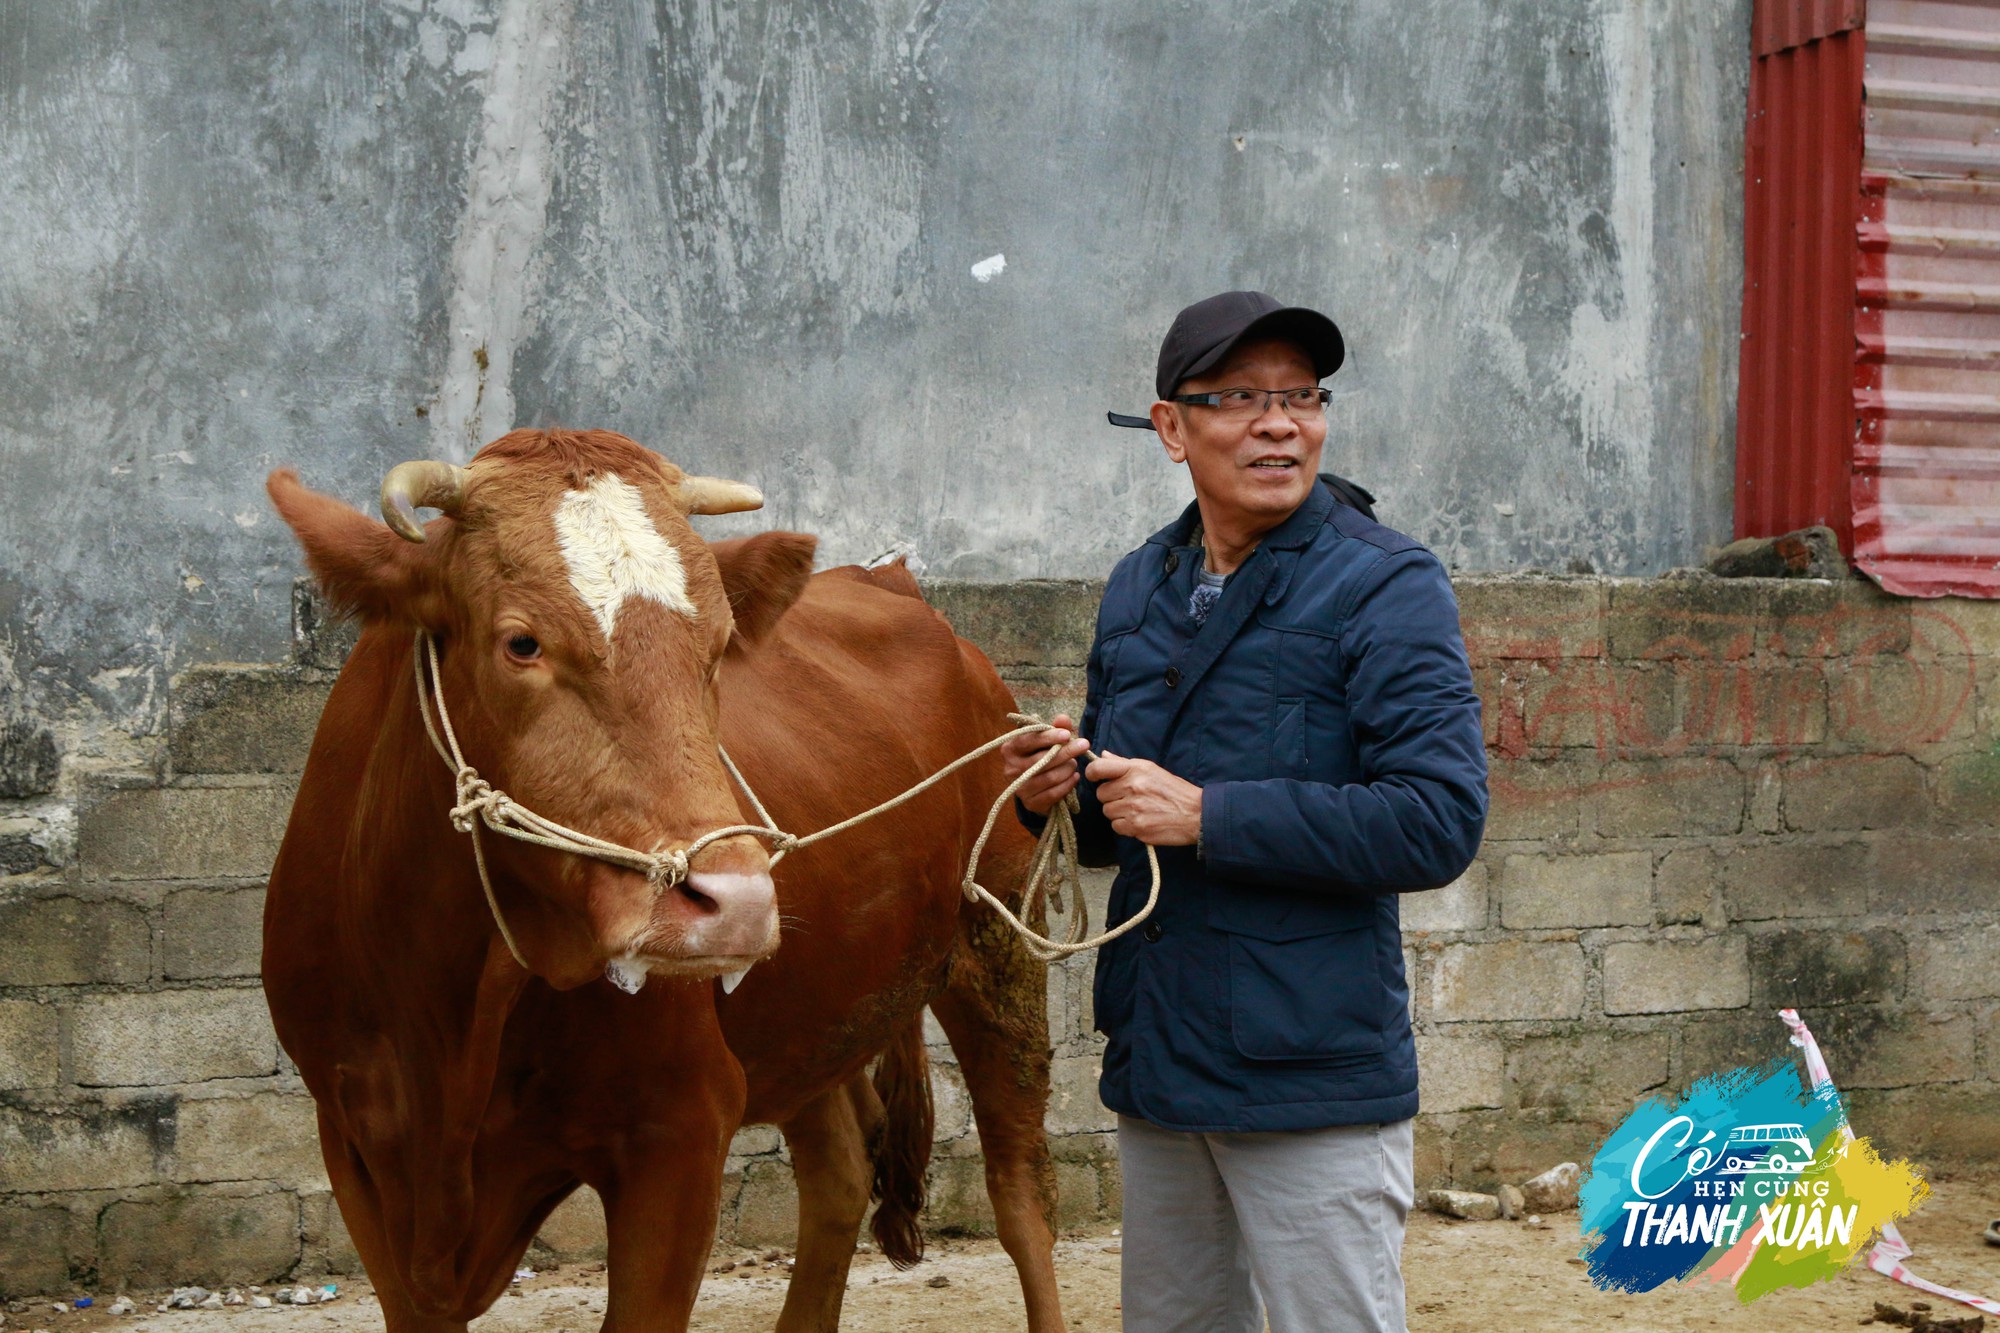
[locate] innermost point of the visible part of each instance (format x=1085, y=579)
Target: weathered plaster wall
x=338, y=235
x=1711, y=799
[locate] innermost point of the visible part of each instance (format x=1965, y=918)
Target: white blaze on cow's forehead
x=614, y=551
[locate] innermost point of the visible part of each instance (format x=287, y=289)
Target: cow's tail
x=902, y=1150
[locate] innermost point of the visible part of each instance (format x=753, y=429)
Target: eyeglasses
x=1299, y=404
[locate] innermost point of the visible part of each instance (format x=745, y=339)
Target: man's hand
x=1144, y=801
x=1054, y=782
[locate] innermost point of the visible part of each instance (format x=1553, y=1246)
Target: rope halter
x=1054, y=866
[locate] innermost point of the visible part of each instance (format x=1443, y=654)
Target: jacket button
x=1173, y=561
x=1173, y=677
x=1152, y=932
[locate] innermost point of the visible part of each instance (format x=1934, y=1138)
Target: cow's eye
x=524, y=648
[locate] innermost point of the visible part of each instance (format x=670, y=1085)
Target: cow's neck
x=442, y=989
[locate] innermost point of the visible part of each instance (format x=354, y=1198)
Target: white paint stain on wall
x=1605, y=364
x=493, y=262
x=989, y=268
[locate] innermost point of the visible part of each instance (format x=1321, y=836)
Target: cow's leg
x=361, y=1211
x=829, y=1142
x=995, y=1011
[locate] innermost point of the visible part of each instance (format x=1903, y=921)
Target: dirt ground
x=1463, y=1277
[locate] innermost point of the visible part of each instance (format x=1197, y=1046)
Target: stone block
x=1581, y=1073
x=210, y=832
x=1073, y=1104
x=171, y=1037
x=1892, y=704
x=213, y=933
x=72, y=941
x=1079, y=1189
x=1537, y=798
x=203, y=1236
x=1530, y=616
x=266, y=1136
x=1460, y=1073
x=1869, y=1047
x=1653, y=798
x=1555, y=892
x=1597, y=705
x=82, y=1147
x=1856, y=792
x=1809, y=553
x=1499, y=704
x=1852, y=618
x=20, y=856
x=1047, y=692
x=1914, y=874
x=1712, y=1044
x=1684, y=886
x=30, y=761
x=575, y=1231
x=1674, y=976
x=30, y=1045
x=1968, y=788
x=328, y=1246
x=1465, y=1204
x=1508, y=979
x=1553, y=1191
x=1952, y=1125
x=232, y=719
x=36, y=1239
x=1771, y=881
x=1950, y=965
x=1705, y=618
x=767, y=1210
x=1459, y=905
x=1973, y=623
x=1490, y=1148
x=1746, y=703
x=1803, y=969
x=1030, y=622
x=956, y=1201
x=756, y=1141
x=1431, y=1152
x=950, y=1102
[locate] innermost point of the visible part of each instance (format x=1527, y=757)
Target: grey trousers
x=1307, y=1224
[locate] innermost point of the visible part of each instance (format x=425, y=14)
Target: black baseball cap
x=1204, y=334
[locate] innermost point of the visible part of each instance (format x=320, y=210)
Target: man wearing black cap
x=1284, y=710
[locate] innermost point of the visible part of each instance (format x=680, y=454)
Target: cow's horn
x=713, y=495
x=424, y=485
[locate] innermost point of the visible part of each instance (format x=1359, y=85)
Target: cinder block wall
x=1711, y=799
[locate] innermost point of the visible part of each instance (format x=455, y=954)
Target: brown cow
x=593, y=651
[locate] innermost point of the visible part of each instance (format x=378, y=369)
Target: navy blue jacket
x=1326, y=709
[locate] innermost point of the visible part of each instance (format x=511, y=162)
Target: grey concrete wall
x=1711, y=799
x=339, y=235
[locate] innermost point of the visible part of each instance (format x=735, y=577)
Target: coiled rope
x=1054, y=868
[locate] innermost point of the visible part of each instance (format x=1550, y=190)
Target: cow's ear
x=763, y=576
x=362, y=567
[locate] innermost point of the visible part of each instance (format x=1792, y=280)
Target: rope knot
x=475, y=795
x=665, y=870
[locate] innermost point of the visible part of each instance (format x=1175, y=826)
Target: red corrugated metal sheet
x=1926, y=459
x=1780, y=25
x=1795, y=410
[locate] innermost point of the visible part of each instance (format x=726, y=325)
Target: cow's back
x=861, y=691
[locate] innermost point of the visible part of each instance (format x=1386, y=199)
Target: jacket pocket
x=1288, y=739
x=1308, y=998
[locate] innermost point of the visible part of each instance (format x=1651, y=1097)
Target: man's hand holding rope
x=1141, y=799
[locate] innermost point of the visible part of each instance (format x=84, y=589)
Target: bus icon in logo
x=1766, y=1150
